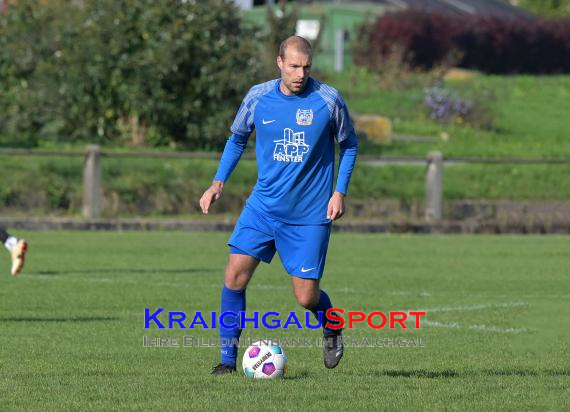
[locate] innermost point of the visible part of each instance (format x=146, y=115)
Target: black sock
x=324, y=305
x=3, y=235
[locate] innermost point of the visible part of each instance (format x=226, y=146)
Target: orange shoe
x=18, y=256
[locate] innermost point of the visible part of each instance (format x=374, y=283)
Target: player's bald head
x=294, y=61
x=297, y=43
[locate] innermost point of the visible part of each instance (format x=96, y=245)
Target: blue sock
x=234, y=301
x=324, y=305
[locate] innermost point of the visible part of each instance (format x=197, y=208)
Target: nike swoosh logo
x=267, y=122
x=307, y=270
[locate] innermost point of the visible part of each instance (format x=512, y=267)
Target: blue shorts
x=302, y=248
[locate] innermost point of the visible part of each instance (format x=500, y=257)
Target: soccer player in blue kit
x=293, y=204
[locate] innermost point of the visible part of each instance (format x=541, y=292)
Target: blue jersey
x=295, y=149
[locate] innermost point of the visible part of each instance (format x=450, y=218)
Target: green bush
x=424, y=40
x=124, y=71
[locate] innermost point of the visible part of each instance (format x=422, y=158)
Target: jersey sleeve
x=241, y=128
x=235, y=146
x=343, y=131
x=342, y=124
x=243, y=123
x=347, y=160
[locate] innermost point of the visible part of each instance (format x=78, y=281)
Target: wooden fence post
x=92, y=183
x=434, y=186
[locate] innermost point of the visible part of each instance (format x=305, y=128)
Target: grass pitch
x=497, y=329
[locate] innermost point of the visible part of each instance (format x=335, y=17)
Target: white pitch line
x=467, y=308
x=478, y=328
x=486, y=328
x=422, y=294
x=339, y=290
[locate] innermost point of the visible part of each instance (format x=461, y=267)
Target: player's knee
x=307, y=300
x=235, y=283
x=236, y=279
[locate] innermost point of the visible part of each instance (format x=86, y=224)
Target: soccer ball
x=262, y=361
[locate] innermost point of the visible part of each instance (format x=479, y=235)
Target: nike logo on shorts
x=303, y=270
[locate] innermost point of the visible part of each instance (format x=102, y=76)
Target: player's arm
x=347, y=159
x=348, y=143
x=235, y=146
x=242, y=128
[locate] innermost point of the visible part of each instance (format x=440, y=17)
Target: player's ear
x=280, y=62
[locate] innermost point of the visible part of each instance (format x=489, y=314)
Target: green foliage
x=118, y=71
x=281, y=22
x=547, y=7
x=25, y=47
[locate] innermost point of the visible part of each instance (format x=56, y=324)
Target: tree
x=281, y=23
x=138, y=70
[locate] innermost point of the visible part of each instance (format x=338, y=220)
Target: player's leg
x=250, y=243
x=307, y=291
x=303, y=251
x=17, y=248
x=239, y=271
x=311, y=297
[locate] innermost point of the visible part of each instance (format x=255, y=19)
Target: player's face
x=295, y=68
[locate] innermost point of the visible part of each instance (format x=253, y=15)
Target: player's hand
x=336, y=206
x=213, y=193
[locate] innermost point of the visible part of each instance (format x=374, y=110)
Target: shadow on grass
x=142, y=271
x=297, y=376
x=422, y=373
x=62, y=319
x=419, y=373
x=527, y=372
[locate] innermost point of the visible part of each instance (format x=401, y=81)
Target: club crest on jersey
x=304, y=117
x=292, y=148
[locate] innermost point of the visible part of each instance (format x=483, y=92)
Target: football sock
x=3, y=235
x=10, y=243
x=324, y=305
x=233, y=301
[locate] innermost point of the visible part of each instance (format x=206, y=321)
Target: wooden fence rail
x=434, y=163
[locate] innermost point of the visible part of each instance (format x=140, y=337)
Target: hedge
x=425, y=40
